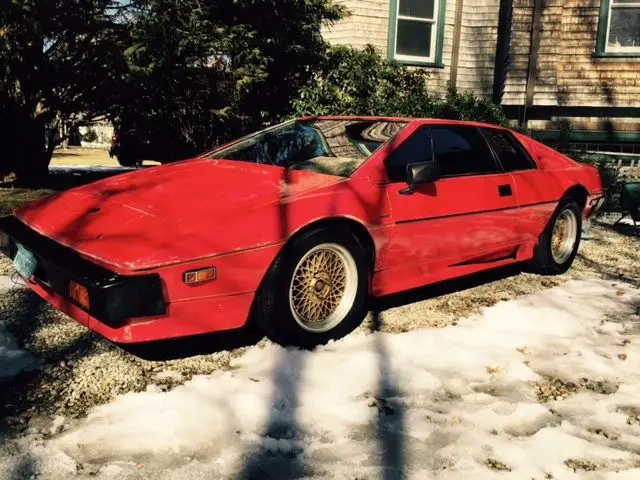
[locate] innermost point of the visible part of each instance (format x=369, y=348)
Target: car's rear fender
x=578, y=193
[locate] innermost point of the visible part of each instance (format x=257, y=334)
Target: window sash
x=434, y=34
x=610, y=48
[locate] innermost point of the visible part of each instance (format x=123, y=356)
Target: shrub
x=610, y=175
x=361, y=82
x=466, y=106
x=90, y=136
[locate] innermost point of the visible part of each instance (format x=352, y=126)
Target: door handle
x=505, y=190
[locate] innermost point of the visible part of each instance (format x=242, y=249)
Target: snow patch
x=457, y=402
x=13, y=359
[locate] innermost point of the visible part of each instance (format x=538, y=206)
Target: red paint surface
x=236, y=216
x=183, y=319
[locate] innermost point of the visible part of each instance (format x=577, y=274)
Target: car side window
x=510, y=152
x=462, y=151
x=417, y=148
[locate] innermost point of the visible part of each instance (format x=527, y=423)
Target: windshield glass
x=334, y=147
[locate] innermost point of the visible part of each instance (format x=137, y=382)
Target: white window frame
x=434, y=34
x=621, y=49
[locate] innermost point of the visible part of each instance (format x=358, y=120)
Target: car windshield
x=334, y=147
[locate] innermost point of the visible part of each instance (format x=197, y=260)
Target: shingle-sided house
x=548, y=62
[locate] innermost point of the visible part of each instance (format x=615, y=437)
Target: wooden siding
x=567, y=73
x=478, y=46
x=369, y=23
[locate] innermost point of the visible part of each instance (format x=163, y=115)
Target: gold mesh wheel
x=323, y=287
x=564, y=235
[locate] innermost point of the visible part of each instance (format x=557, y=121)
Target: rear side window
x=415, y=149
x=511, y=154
x=462, y=151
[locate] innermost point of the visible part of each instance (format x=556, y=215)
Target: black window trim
x=496, y=161
x=515, y=143
x=386, y=160
x=499, y=170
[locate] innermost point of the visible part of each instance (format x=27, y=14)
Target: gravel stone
x=557, y=389
x=633, y=414
x=494, y=464
x=581, y=464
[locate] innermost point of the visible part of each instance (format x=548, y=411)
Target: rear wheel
x=316, y=290
x=558, y=244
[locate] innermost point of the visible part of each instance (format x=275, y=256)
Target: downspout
x=503, y=50
x=455, y=53
x=533, y=58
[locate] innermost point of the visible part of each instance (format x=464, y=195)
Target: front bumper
x=113, y=299
x=123, y=308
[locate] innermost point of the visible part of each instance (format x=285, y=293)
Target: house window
x=415, y=31
x=619, y=29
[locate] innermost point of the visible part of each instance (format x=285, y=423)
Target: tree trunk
x=31, y=162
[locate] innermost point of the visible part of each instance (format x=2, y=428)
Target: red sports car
x=297, y=225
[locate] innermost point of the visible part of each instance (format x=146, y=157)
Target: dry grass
x=76, y=156
x=82, y=156
x=11, y=198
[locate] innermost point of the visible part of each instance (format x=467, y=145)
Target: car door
x=537, y=190
x=466, y=216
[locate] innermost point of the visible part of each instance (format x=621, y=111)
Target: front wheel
x=316, y=290
x=558, y=244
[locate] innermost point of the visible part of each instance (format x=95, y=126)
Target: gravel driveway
x=80, y=370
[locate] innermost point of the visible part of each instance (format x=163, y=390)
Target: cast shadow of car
x=626, y=229
x=251, y=334
x=180, y=348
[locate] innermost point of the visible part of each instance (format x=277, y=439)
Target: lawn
x=11, y=198
x=85, y=157
x=82, y=157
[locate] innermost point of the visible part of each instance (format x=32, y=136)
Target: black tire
x=272, y=308
x=543, y=259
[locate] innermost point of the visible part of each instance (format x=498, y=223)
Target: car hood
x=172, y=213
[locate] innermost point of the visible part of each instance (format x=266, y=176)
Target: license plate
x=25, y=262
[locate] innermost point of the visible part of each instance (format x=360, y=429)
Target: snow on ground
x=459, y=402
x=13, y=359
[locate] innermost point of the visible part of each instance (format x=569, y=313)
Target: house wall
x=369, y=24
x=567, y=72
x=478, y=39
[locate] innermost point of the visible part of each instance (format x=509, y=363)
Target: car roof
x=425, y=121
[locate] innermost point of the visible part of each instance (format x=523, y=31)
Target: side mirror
x=422, y=172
